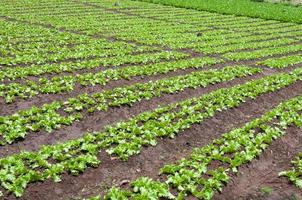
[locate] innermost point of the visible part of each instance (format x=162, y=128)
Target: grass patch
x=248, y=8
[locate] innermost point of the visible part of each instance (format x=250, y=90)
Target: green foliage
x=198, y=176
x=236, y=56
x=37, y=69
x=61, y=84
x=43, y=54
x=143, y=189
x=251, y=45
x=127, y=138
x=241, y=8
x=295, y=174
x=48, y=118
x=282, y=62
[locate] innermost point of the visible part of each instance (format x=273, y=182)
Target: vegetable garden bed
x=102, y=99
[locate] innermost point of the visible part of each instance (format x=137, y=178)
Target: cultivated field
x=134, y=100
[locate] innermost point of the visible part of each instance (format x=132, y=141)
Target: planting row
x=294, y=174
x=127, y=138
x=48, y=118
x=250, y=45
x=208, y=168
x=147, y=30
x=271, y=51
x=282, y=62
x=216, y=45
x=67, y=83
x=57, y=68
x=212, y=33
x=60, y=46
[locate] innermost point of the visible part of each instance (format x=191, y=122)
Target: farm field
x=105, y=99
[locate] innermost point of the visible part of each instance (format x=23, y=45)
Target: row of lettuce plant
x=260, y=53
x=282, y=62
x=294, y=174
x=59, y=84
x=197, y=175
x=125, y=139
x=51, y=116
x=8, y=73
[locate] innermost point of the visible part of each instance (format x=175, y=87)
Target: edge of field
x=248, y=8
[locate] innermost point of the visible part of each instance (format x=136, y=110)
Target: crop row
x=40, y=7
x=37, y=7
x=95, y=48
x=271, y=51
x=81, y=7
x=7, y=49
x=294, y=174
x=15, y=33
x=206, y=41
x=69, y=11
x=250, y=45
x=153, y=8
x=190, y=40
x=172, y=15
x=5, y=4
x=57, y=68
x=136, y=33
x=177, y=14
x=127, y=138
x=50, y=8
x=47, y=117
x=210, y=41
x=242, y=25
x=61, y=84
x=228, y=34
x=197, y=175
x=81, y=51
x=282, y=62
x=136, y=24
x=14, y=46
x=195, y=15
x=143, y=35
